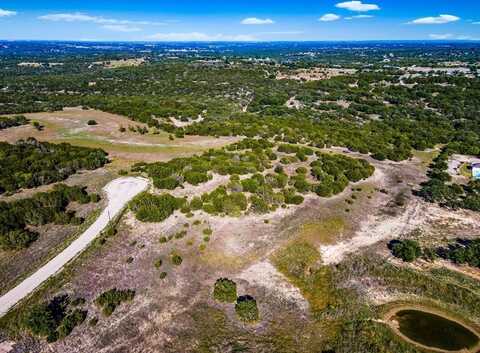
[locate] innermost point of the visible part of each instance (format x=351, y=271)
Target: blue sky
x=262, y=20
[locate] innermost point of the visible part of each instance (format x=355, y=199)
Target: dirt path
x=119, y=193
x=374, y=230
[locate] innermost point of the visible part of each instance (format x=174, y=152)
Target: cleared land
x=71, y=125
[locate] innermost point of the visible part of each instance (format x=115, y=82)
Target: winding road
x=119, y=192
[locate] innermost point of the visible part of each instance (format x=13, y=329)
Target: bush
x=168, y=183
x=176, y=259
x=246, y=308
x=112, y=298
x=154, y=208
x=17, y=239
x=407, y=250
x=158, y=263
x=91, y=122
x=225, y=290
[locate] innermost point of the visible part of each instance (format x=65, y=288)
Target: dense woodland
x=17, y=217
x=30, y=163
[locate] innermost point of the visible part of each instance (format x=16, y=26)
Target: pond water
x=434, y=331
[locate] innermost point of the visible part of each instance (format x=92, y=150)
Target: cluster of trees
x=108, y=301
x=407, y=250
x=40, y=209
x=335, y=171
x=6, y=121
x=462, y=252
x=225, y=291
x=55, y=319
x=30, y=163
x=154, y=208
x=259, y=193
x=195, y=170
x=439, y=188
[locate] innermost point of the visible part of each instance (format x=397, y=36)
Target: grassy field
x=71, y=126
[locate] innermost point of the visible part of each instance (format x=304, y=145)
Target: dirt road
x=119, y=193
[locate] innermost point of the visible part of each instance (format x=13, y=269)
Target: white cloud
x=464, y=37
x=81, y=17
x=359, y=16
x=329, y=17
x=257, y=21
x=441, y=36
x=7, y=13
x=121, y=28
x=200, y=37
x=446, y=36
x=442, y=19
x=357, y=6
x=288, y=33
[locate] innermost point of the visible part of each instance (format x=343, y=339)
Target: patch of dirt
x=264, y=274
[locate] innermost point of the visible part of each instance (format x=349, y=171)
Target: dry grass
x=70, y=125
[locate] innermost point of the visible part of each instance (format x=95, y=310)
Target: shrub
x=293, y=199
x=112, y=298
x=91, y=122
x=225, y=290
x=176, y=259
x=154, y=208
x=246, y=308
x=158, y=263
x=168, y=183
x=258, y=205
x=17, y=239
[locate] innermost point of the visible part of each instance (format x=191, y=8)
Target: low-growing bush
x=176, y=259
x=225, y=290
x=108, y=301
x=246, y=308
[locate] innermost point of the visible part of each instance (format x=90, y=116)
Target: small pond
x=434, y=331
